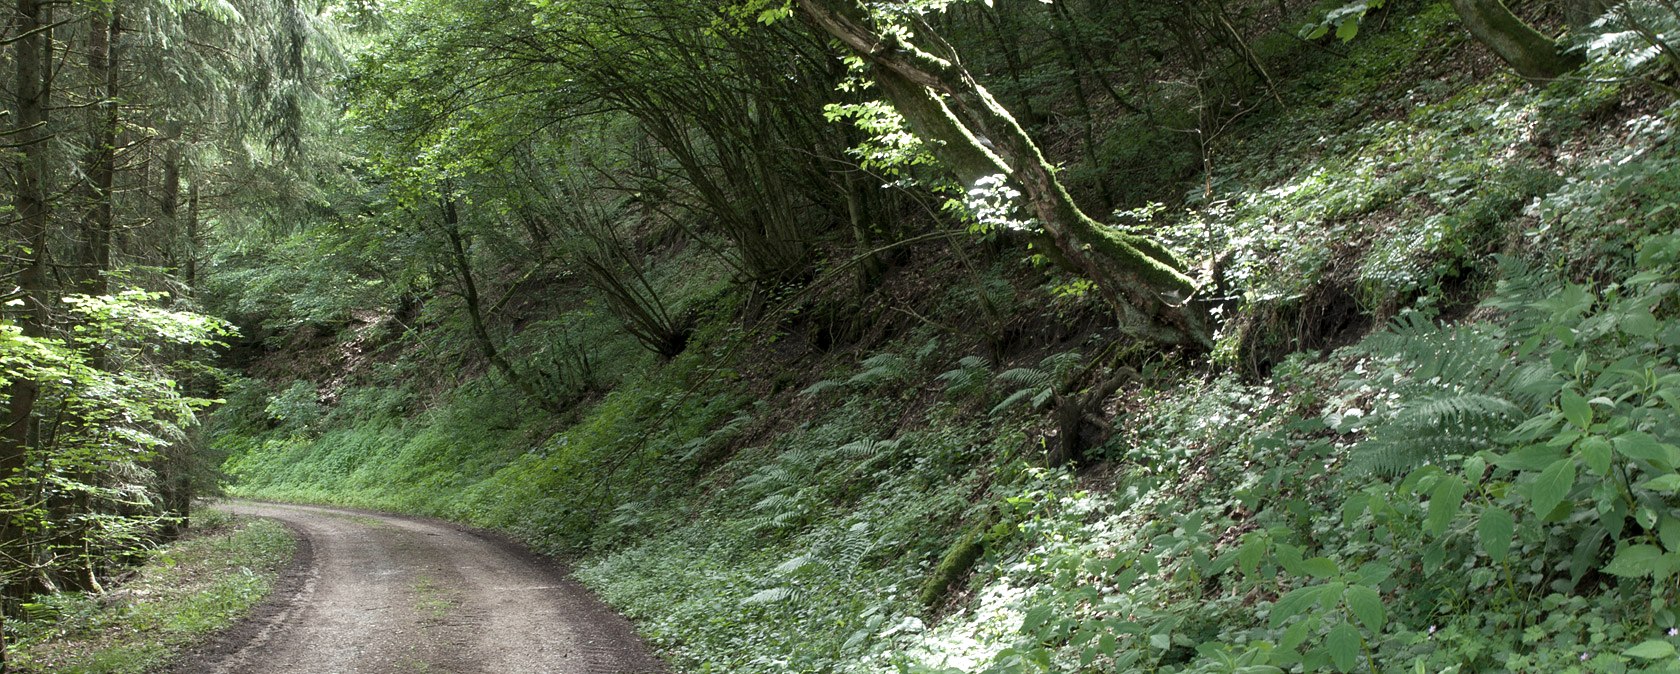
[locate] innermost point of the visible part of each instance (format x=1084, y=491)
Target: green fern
x=1457, y=390
x=834, y=555
x=881, y=368
x=1037, y=386
x=821, y=386
x=967, y=377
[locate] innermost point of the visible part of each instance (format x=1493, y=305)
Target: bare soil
x=380, y=594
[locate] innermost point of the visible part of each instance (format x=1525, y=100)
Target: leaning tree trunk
x=1528, y=51
x=978, y=139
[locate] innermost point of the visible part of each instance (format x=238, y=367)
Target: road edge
x=223, y=643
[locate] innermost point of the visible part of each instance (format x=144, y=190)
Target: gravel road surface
x=379, y=594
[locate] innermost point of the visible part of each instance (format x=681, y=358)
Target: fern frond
x=881, y=368
x=1027, y=376
x=1430, y=428
x=853, y=548
x=821, y=386
x=1012, y=400
x=777, y=502
x=866, y=448
x=774, y=595
x=795, y=565
x=1061, y=364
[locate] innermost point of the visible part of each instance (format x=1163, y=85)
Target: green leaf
x=1634, y=561
x=1366, y=603
x=1643, y=447
x=1295, y=635
x=1595, y=454
x=1494, y=531
x=1668, y=531
x=1289, y=557
x=1293, y=603
x=1640, y=324
x=1651, y=650
x=1552, y=487
x=1347, y=29
x=1320, y=567
x=1444, y=502
x=1575, y=408
x=1343, y=643
x=1248, y=556
x=1474, y=467
x=1532, y=457
x=1666, y=484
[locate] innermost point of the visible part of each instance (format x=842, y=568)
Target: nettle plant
x=1537, y=465
x=1494, y=496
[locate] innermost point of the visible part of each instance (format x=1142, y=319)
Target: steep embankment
x=1487, y=484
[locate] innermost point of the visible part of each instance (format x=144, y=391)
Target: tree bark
x=1534, y=56
x=30, y=207
x=101, y=162
x=191, y=263
x=1581, y=13
x=978, y=139
x=462, y=263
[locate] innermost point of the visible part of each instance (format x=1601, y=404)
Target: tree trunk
x=977, y=138
x=29, y=204
x=462, y=263
x=1581, y=13
x=1533, y=55
x=101, y=162
x=191, y=264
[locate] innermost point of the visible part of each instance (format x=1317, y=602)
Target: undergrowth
x=1437, y=434
x=184, y=592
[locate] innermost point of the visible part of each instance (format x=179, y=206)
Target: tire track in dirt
x=382, y=594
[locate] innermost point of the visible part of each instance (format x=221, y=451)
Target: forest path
x=379, y=594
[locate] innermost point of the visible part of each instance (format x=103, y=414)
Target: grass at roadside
x=187, y=590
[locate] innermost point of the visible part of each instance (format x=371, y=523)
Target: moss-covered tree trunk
x=978, y=139
x=1532, y=54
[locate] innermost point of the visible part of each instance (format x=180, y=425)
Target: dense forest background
x=918, y=336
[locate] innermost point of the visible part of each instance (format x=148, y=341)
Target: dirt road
x=381, y=594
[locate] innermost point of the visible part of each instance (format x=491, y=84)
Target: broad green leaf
x=1355, y=506
x=1348, y=28
x=1320, y=567
x=1575, y=408
x=1532, y=457
x=1634, y=561
x=1366, y=603
x=1248, y=556
x=1375, y=573
x=1474, y=467
x=1643, y=447
x=1651, y=650
x=1595, y=454
x=1295, y=635
x=1289, y=557
x=1668, y=531
x=1494, y=531
x=1639, y=324
x=1444, y=502
x=1666, y=484
x=1552, y=487
x=1343, y=643
x=1293, y=603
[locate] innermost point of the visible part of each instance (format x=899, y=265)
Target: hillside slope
x=1438, y=430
